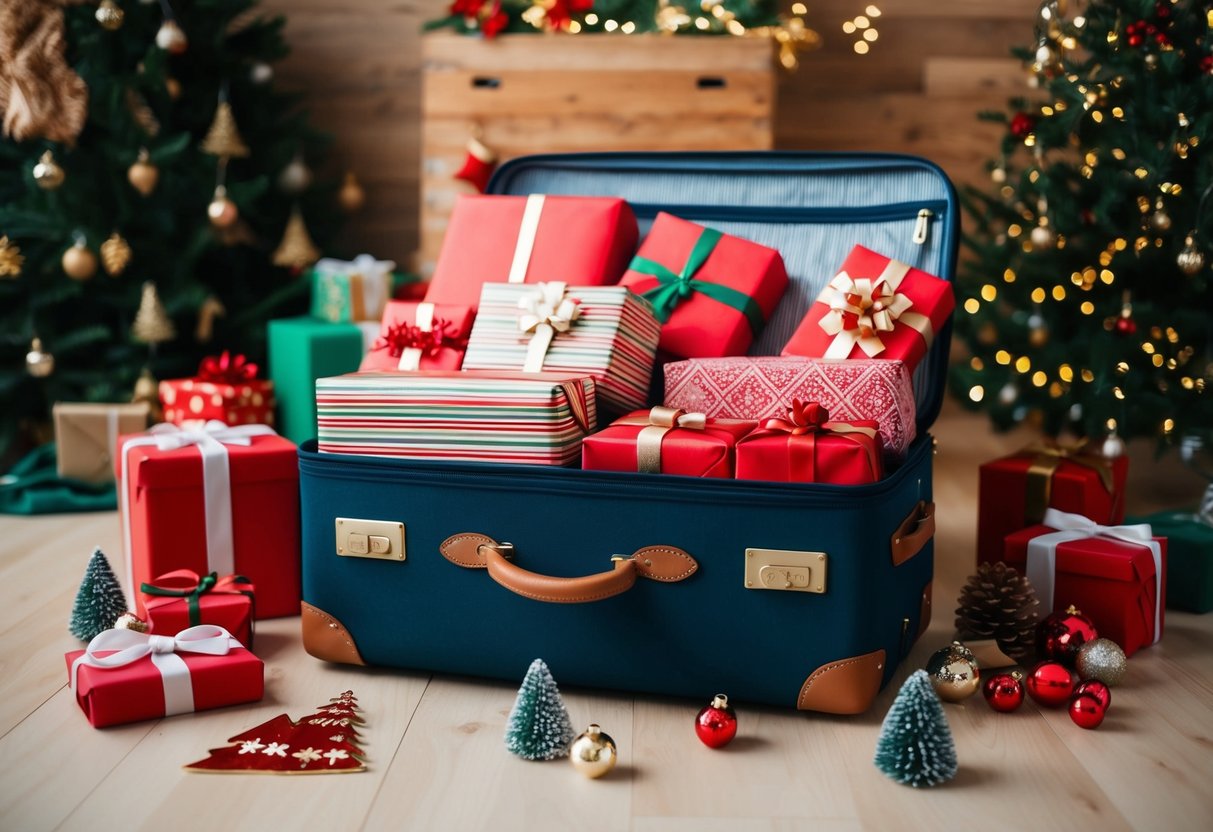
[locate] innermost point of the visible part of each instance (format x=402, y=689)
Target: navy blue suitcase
x=799, y=595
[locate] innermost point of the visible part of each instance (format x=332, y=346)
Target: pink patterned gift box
x=762, y=387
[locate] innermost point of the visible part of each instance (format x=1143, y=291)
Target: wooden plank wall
x=918, y=90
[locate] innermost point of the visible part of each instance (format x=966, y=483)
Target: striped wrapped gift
x=601, y=331
x=535, y=418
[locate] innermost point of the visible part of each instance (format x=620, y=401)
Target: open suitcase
x=799, y=595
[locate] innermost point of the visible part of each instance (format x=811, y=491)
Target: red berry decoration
x=716, y=724
x=1086, y=711
x=1096, y=688
x=1051, y=684
x=1061, y=634
x=1125, y=326
x=1004, y=691
x=1206, y=64
x=1022, y=124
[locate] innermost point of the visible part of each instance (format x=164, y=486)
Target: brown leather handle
x=913, y=533
x=476, y=551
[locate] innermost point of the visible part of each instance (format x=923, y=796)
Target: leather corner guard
x=326, y=638
x=924, y=612
x=847, y=686
x=913, y=533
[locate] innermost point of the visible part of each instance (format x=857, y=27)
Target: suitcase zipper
x=922, y=225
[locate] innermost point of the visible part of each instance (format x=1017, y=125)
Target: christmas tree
x=915, y=744
x=539, y=727
x=143, y=144
x=1087, y=302
x=99, y=601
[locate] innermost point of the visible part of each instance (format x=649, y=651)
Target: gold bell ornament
x=39, y=363
x=593, y=753
x=143, y=174
x=351, y=197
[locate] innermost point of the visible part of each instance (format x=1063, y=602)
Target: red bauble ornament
x=1086, y=711
x=1004, y=691
x=716, y=724
x=1051, y=684
x=1135, y=40
x=1125, y=326
x=1206, y=64
x=1096, y=688
x=1162, y=10
x=1061, y=634
x=1021, y=125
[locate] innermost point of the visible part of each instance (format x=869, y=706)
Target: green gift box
x=1189, y=558
x=351, y=290
x=303, y=350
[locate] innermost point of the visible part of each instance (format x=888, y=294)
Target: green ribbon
x=193, y=596
x=674, y=288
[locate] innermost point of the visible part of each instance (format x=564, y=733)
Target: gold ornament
x=593, y=753
x=47, y=172
x=211, y=308
x=1190, y=258
x=141, y=112
x=1102, y=659
x=152, y=324
x=171, y=38
x=11, y=258
x=115, y=254
x=296, y=251
x=351, y=197
x=79, y=262
x=1160, y=220
x=1043, y=237
x=130, y=621
x=954, y=672
x=173, y=87
x=295, y=177
x=223, y=138
x=109, y=15
x=147, y=391
x=222, y=211
x=143, y=174
x=38, y=364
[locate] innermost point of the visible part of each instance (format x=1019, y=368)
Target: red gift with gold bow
x=875, y=307
x=666, y=440
x=225, y=389
x=807, y=447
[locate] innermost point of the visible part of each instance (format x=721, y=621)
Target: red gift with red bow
x=807, y=447
x=420, y=336
x=225, y=389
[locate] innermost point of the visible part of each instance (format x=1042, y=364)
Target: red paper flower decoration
x=404, y=336
x=227, y=369
x=1022, y=124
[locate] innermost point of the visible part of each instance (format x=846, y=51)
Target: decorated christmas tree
x=99, y=601
x=143, y=145
x=915, y=744
x=539, y=726
x=1087, y=302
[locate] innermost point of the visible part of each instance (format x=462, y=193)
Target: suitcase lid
x=812, y=207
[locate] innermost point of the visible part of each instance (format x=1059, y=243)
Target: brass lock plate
x=786, y=570
x=376, y=539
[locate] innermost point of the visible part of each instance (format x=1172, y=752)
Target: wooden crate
x=535, y=94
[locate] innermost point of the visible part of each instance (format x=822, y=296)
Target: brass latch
x=787, y=570
x=377, y=539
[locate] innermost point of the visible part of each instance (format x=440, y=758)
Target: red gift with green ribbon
x=713, y=292
x=805, y=446
x=183, y=598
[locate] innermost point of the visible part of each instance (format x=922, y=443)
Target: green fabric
x=33, y=486
x=1189, y=558
x=673, y=288
x=301, y=351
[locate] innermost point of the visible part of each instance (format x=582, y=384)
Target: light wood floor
x=435, y=743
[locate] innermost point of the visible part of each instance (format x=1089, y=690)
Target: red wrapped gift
x=874, y=307
x=182, y=599
x=125, y=676
x=758, y=387
x=226, y=389
x=1117, y=575
x=1014, y=491
x=666, y=441
x=580, y=240
x=807, y=447
x=214, y=499
x=712, y=292
x=420, y=336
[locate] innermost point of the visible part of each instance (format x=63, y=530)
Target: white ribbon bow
x=545, y=311
x=210, y=438
x=131, y=646
x=1042, y=553
x=861, y=308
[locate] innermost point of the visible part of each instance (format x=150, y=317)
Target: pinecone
x=999, y=603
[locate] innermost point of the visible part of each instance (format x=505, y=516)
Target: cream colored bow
x=545, y=311
x=862, y=308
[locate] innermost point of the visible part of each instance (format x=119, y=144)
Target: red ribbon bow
x=227, y=369
x=403, y=336
x=803, y=417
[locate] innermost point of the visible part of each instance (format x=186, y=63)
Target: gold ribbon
x=1047, y=457
x=862, y=308
x=410, y=357
x=545, y=311
x=659, y=422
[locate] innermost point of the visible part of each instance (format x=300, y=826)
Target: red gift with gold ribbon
x=807, y=447
x=875, y=307
x=182, y=598
x=225, y=389
x=420, y=336
x=666, y=440
x=1015, y=491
